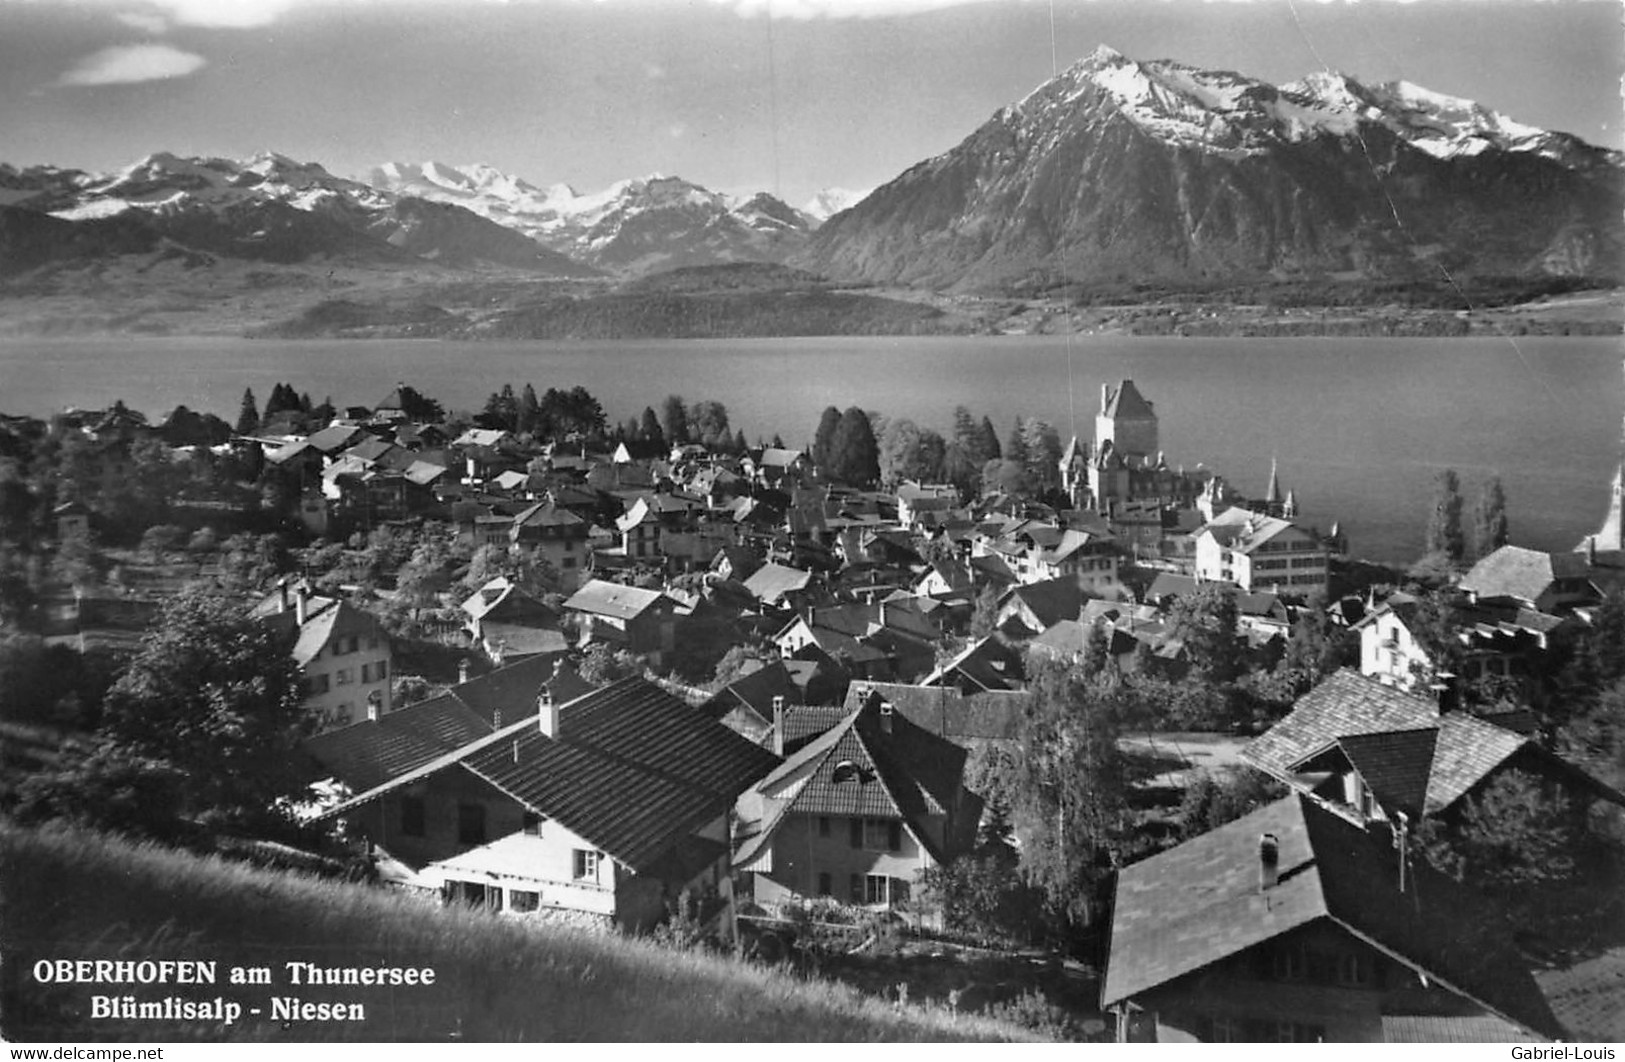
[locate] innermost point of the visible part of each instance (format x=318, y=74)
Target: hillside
x=73, y=895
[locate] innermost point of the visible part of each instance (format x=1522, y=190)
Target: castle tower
x=1126, y=420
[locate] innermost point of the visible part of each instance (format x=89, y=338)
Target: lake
x=1359, y=427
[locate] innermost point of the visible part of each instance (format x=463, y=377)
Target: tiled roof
x=1395, y=765
x=771, y=582
x=1201, y=902
x=1521, y=574
x=989, y=664
x=1450, y=1029
x=633, y=769
x=947, y=712
x=1345, y=703
x=612, y=599
x=1052, y=600
x=371, y=752
x=1468, y=749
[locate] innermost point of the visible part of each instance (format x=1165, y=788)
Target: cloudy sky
x=785, y=95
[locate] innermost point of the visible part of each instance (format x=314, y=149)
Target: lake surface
x=1360, y=427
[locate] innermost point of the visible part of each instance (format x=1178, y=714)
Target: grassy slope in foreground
x=77, y=895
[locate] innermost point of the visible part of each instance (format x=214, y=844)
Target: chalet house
x=559, y=535
x=1374, y=753
x=604, y=808
x=1531, y=579
x=747, y=706
x=915, y=500
x=778, y=467
x=507, y=623
x=343, y=654
x=856, y=814
x=1032, y=608
x=780, y=586
x=626, y=617
x=985, y=665
x=1294, y=924
x=1259, y=552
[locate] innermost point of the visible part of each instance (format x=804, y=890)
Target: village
x=1073, y=700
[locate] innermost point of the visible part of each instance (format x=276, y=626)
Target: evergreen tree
x=708, y=420
x=324, y=413
x=1016, y=449
x=419, y=407
x=854, y=453
x=1444, y=535
x=740, y=443
x=248, y=417
x=650, y=432
x=1490, y=518
x=824, y=438
x=674, y=414
x=501, y=410
x=530, y=411
x=778, y=441
x=990, y=441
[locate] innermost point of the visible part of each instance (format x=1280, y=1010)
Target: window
x=343, y=676
x=320, y=684
x=1287, y=963
x=1292, y=1032
x=882, y=835
x=471, y=823
x=366, y=673
x=412, y=816
x=855, y=832
x=523, y=902
x=1224, y=1031
x=532, y=824
x=855, y=888
x=823, y=825
x=586, y=864
x=569, y=562
x=1353, y=969
x=825, y=884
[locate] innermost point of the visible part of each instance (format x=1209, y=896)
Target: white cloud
x=224, y=14
x=153, y=24
x=129, y=63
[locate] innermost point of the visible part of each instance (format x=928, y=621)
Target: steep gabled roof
x=1201, y=902
x=1521, y=574
x=613, y=599
x=633, y=769
x=946, y=712
x=1346, y=703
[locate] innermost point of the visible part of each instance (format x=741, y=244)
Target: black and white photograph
x=887, y=521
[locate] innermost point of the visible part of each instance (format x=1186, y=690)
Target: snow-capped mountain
x=633, y=226
x=827, y=202
x=1122, y=170
x=273, y=208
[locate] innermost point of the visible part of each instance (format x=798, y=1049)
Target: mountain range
x=1118, y=173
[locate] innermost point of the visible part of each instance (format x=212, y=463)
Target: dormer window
x=847, y=771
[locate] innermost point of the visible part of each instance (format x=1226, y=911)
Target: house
x=1260, y=552
x=1032, y=608
x=856, y=814
x=559, y=535
x=748, y=705
x=344, y=656
x=507, y=623
x=1294, y=924
x=1533, y=579
x=626, y=617
x=777, y=585
x=601, y=809
x=985, y=665
x=1374, y=753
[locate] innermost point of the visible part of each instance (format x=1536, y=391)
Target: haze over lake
x=1359, y=426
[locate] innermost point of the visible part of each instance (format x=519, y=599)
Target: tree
x=1518, y=831
x=1444, y=536
x=1490, y=518
x=530, y=411
x=650, y=432
x=1016, y=449
x=854, y=454
x=1206, y=622
x=1069, y=791
x=501, y=410
x=216, y=696
x=248, y=417
x=824, y=437
x=418, y=407
x=674, y=414
x=708, y=421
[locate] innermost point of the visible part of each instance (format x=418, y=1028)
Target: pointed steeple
x=1273, y=495
x=1289, y=508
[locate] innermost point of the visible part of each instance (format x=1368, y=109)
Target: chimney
x=547, y=713
x=373, y=700
x=282, y=590
x=886, y=711
x=1105, y=396
x=778, y=725
x=1269, y=861
x=496, y=719
x=462, y=671
x=301, y=601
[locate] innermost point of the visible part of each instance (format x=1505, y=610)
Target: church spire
x=1273, y=495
